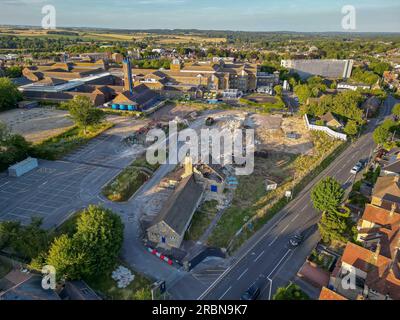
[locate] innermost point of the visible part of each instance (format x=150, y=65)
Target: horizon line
x=196, y=29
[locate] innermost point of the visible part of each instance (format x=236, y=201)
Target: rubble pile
x=123, y=276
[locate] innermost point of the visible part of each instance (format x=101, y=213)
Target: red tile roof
x=380, y=216
x=383, y=273
x=327, y=294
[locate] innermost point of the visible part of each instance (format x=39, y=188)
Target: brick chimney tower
x=128, y=82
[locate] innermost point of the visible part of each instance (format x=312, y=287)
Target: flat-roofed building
x=327, y=68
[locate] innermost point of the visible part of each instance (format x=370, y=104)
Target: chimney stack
x=128, y=84
x=377, y=251
x=393, y=209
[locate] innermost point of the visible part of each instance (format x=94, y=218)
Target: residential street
x=265, y=258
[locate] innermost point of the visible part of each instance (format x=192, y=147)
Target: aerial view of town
x=170, y=151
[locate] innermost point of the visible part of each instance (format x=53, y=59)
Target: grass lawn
x=201, y=220
x=128, y=181
x=138, y=289
x=251, y=196
x=264, y=106
x=60, y=145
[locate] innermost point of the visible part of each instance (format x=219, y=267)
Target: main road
x=266, y=258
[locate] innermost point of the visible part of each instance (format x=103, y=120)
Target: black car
x=251, y=294
x=296, y=240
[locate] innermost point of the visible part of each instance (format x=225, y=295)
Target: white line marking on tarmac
x=304, y=208
x=284, y=229
x=277, y=265
x=224, y=294
x=242, y=274
x=5, y=183
x=295, y=217
x=272, y=242
x=259, y=256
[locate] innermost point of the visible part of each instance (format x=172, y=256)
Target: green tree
x=26, y=242
x=327, y=194
x=278, y=89
x=14, y=72
x=379, y=67
x=351, y=128
x=13, y=147
x=66, y=258
x=290, y=292
x=9, y=94
x=99, y=234
x=303, y=92
x=396, y=110
x=381, y=135
x=336, y=225
x=94, y=247
x=84, y=113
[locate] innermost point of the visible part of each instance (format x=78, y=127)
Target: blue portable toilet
x=122, y=107
x=114, y=106
x=130, y=108
x=214, y=188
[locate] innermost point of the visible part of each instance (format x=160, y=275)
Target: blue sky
x=250, y=15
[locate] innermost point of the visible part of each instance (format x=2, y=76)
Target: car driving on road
x=357, y=168
x=251, y=293
x=296, y=240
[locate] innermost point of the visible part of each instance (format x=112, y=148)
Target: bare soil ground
x=272, y=133
x=37, y=124
x=170, y=111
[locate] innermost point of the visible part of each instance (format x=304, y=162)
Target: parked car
x=251, y=293
x=357, y=168
x=296, y=240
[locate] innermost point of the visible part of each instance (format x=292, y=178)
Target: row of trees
x=9, y=94
x=13, y=147
x=385, y=133
x=345, y=105
x=92, y=250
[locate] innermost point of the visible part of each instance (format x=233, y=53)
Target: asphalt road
x=266, y=258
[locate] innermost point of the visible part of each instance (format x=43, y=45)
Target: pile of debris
x=123, y=276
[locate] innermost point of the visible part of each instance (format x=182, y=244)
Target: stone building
x=169, y=227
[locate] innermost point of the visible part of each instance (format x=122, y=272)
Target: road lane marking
x=338, y=161
x=270, y=288
x=295, y=217
x=304, y=208
x=224, y=294
x=259, y=256
x=272, y=242
x=277, y=265
x=284, y=229
x=242, y=274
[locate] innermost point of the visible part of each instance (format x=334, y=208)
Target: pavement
x=266, y=258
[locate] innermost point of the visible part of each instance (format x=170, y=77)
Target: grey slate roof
x=179, y=208
x=30, y=289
